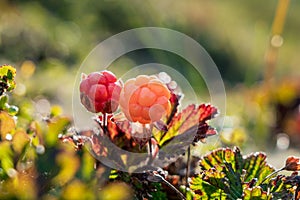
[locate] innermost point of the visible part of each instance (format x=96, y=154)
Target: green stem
x=104, y=120
x=270, y=175
x=187, y=169
x=171, y=186
x=150, y=150
x=149, y=145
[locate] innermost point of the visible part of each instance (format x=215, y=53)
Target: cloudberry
x=145, y=99
x=100, y=92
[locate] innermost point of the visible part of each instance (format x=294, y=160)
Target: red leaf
x=207, y=112
x=193, y=115
x=188, y=118
x=185, y=120
x=204, y=131
x=292, y=164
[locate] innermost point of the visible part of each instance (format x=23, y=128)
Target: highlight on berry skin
x=145, y=99
x=100, y=92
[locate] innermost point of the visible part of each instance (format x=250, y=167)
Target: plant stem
x=149, y=145
x=187, y=168
x=104, y=123
x=171, y=186
x=104, y=120
x=270, y=175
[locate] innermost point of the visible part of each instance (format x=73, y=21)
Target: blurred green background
x=48, y=40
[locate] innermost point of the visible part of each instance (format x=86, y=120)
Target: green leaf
x=87, y=167
x=7, y=70
x=255, y=193
x=6, y=156
x=7, y=75
x=116, y=190
x=10, y=75
x=282, y=187
x=69, y=164
x=56, y=126
x=255, y=164
x=20, y=140
x=3, y=101
x=204, y=190
x=227, y=170
x=55, y=111
x=222, y=156
x=7, y=124
x=189, y=194
x=257, y=167
x=158, y=193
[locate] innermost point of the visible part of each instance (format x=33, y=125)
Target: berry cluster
x=145, y=99
x=100, y=91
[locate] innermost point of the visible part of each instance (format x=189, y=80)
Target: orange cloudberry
x=145, y=99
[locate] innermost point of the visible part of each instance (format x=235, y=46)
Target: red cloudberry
x=145, y=99
x=100, y=92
